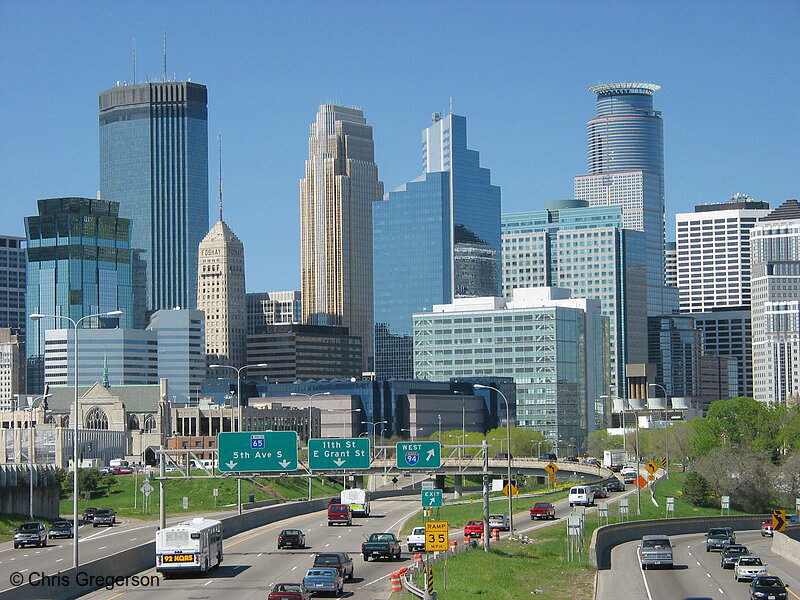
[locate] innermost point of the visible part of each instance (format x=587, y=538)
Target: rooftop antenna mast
x=451, y=105
x=133, y=58
x=165, y=56
x=219, y=137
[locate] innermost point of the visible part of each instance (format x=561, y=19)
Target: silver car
x=748, y=567
x=324, y=580
x=104, y=516
x=500, y=522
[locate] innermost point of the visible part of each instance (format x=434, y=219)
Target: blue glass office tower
x=436, y=238
x=626, y=168
x=154, y=162
x=79, y=263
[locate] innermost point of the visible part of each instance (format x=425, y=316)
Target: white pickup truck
x=416, y=539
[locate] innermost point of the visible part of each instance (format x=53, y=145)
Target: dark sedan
x=767, y=586
x=730, y=554
x=615, y=485
x=61, y=529
x=289, y=591
x=291, y=538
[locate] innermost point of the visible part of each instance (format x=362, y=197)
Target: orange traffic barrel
x=418, y=559
x=396, y=585
x=496, y=535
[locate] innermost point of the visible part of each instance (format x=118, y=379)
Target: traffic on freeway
x=695, y=572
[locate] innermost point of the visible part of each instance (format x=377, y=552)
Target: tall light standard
x=463, y=418
x=374, y=433
x=239, y=417
x=32, y=446
x=624, y=429
x=508, y=439
x=412, y=432
x=76, y=419
x=348, y=411
x=310, y=402
x=666, y=424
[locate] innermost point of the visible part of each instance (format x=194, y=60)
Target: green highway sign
x=338, y=453
x=258, y=451
x=432, y=498
x=419, y=455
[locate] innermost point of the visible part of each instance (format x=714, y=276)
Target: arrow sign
x=258, y=451
x=325, y=454
x=432, y=498
x=779, y=520
x=419, y=455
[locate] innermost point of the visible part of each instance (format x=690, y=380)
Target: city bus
x=358, y=501
x=194, y=545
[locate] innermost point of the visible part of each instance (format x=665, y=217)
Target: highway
x=696, y=572
x=252, y=562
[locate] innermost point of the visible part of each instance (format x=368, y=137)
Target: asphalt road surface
x=696, y=572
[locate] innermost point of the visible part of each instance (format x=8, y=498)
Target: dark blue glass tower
x=434, y=239
x=79, y=263
x=154, y=162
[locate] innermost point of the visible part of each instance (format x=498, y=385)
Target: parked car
x=543, y=510
x=381, y=545
x=748, y=567
x=32, y=533
x=88, y=513
x=104, y=516
x=767, y=586
x=416, y=539
x=291, y=538
x=655, y=551
x=730, y=553
x=473, y=528
x=324, y=580
x=289, y=591
x=122, y=471
x=500, y=522
x=338, y=514
x=766, y=528
x=61, y=529
x=340, y=561
x=615, y=485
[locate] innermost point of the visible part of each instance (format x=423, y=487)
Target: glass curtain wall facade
x=181, y=352
x=626, y=168
x=79, y=263
x=436, y=238
x=586, y=250
x=154, y=162
x=12, y=283
x=336, y=196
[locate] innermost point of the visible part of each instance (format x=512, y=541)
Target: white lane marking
x=12, y=559
x=59, y=559
x=293, y=568
x=259, y=554
x=102, y=547
x=708, y=575
x=698, y=563
x=720, y=591
x=22, y=570
x=376, y=581
x=207, y=582
x=133, y=539
x=340, y=537
x=326, y=545
x=646, y=587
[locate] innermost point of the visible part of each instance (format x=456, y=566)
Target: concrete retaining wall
x=142, y=558
x=608, y=536
x=787, y=545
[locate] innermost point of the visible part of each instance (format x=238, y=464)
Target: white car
x=500, y=522
x=748, y=567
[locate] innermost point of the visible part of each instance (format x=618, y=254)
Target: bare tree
x=744, y=475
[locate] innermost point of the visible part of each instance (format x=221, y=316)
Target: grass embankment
x=542, y=568
x=200, y=494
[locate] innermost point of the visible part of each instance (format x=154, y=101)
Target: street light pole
x=508, y=439
x=308, y=442
x=75, y=323
x=239, y=417
x=666, y=426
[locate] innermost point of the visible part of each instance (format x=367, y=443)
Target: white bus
x=194, y=545
x=358, y=501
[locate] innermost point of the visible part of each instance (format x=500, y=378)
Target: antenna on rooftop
x=219, y=137
x=133, y=58
x=451, y=105
x=165, y=56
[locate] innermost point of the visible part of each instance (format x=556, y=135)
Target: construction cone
x=396, y=585
x=417, y=559
x=481, y=542
x=495, y=535
x=466, y=540
x=453, y=545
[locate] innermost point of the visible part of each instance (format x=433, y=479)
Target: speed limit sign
x=436, y=538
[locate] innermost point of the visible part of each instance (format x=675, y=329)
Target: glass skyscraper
x=586, y=250
x=154, y=162
x=12, y=282
x=336, y=196
x=436, y=238
x=626, y=168
x=79, y=263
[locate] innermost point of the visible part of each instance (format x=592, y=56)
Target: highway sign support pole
x=486, y=537
x=162, y=492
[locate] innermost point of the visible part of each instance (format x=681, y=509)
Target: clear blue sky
x=517, y=70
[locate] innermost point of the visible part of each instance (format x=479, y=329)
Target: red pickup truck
x=543, y=510
x=473, y=529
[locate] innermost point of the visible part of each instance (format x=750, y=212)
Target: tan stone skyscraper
x=221, y=295
x=336, y=198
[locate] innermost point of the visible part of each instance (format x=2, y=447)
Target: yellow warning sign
x=651, y=467
x=779, y=520
x=552, y=478
x=512, y=488
x=551, y=468
x=436, y=538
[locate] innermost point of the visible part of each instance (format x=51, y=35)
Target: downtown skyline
x=527, y=103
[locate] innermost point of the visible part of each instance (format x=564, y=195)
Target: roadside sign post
x=602, y=513
x=338, y=453
x=419, y=455
x=574, y=536
x=797, y=505
x=623, y=509
x=257, y=451
x=725, y=504
x=670, y=507
x=551, y=470
x=215, y=493
x=432, y=498
x=185, y=503
x=436, y=536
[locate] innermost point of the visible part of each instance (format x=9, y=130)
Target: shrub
x=696, y=490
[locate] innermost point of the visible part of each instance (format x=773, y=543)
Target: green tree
x=88, y=481
x=789, y=431
x=736, y=423
x=696, y=489
x=600, y=440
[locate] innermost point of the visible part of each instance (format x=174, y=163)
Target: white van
x=581, y=495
